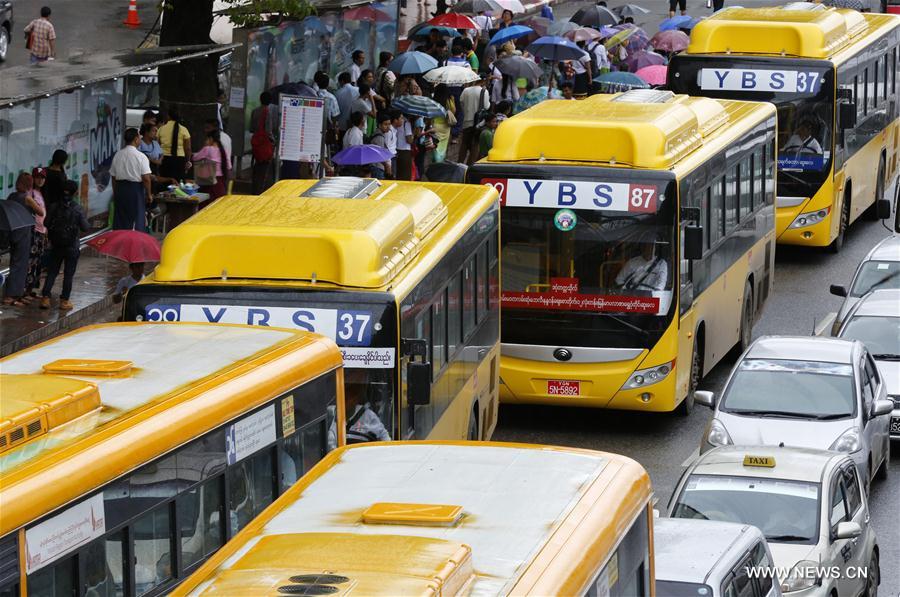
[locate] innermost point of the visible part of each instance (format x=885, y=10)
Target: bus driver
x=644, y=271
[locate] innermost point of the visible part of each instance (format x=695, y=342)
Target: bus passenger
x=644, y=271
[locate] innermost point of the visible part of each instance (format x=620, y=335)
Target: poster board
x=301, y=129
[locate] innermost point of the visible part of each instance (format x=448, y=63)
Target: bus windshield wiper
x=786, y=538
x=886, y=356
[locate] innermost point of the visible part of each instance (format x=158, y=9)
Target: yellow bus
x=832, y=74
x=448, y=518
x=637, y=244
x=129, y=453
x=402, y=275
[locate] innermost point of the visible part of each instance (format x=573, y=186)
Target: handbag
x=451, y=117
x=261, y=143
x=29, y=40
x=205, y=173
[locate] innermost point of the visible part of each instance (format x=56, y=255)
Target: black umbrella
x=14, y=215
x=630, y=10
x=299, y=88
x=446, y=172
x=595, y=16
x=517, y=66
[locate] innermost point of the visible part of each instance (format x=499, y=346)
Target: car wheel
x=882, y=473
x=838, y=243
x=872, y=212
x=687, y=405
x=473, y=427
x=4, y=43
x=873, y=578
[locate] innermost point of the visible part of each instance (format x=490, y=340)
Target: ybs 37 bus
x=832, y=74
x=637, y=245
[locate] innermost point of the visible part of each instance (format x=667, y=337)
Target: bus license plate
x=556, y=387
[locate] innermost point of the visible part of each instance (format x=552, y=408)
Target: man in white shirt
x=359, y=58
x=601, y=57
x=345, y=95
x=130, y=171
x=384, y=136
x=473, y=99
x=403, y=130
x=644, y=272
x=354, y=135
x=802, y=141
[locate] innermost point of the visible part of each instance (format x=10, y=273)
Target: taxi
x=809, y=505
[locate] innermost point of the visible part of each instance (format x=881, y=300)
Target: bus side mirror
x=693, y=242
x=418, y=383
x=883, y=208
x=847, y=115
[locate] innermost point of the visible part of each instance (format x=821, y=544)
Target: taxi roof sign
x=760, y=461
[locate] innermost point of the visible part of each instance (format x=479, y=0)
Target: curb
x=63, y=324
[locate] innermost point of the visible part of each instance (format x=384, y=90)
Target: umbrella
x=366, y=13
x=639, y=60
x=454, y=76
x=519, y=67
x=692, y=23
x=412, y=63
x=556, y=48
x=130, y=246
x=653, y=75
x=593, y=16
x=630, y=10
x=298, y=88
x=560, y=27
x=444, y=31
x=534, y=97
x=675, y=22
x=361, y=155
x=454, y=20
x=476, y=6
x=510, y=33
x=14, y=215
x=608, y=31
x=670, y=41
x=539, y=24
x=446, y=172
x=511, y=5
x=418, y=105
x=620, y=81
x=314, y=24
x=618, y=38
x=582, y=34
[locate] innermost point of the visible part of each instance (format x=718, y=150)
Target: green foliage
x=254, y=13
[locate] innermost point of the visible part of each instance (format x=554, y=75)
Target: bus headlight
x=810, y=218
x=645, y=377
x=847, y=442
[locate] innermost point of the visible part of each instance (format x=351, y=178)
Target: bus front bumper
x=801, y=225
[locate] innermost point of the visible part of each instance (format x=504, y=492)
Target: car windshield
x=796, y=389
x=142, y=92
x=785, y=511
x=881, y=335
x=671, y=588
x=876, y=275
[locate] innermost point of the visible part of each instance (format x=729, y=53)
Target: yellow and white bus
x=832, y=74
x=402, y=275
x=466, y=518
x=637, y=245
x=129, y=453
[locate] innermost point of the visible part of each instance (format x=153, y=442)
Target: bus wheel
x=838, y=243
x=746, y=333
x=473, y=426
x=871, y=213
x=687, y=405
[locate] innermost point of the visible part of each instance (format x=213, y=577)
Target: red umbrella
x=654, y=75
x=366, y=13
x=454, y=21
x=130, y=246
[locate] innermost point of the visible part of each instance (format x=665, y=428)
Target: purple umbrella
x=670, y=41
x=362, y=155
x=639, y=60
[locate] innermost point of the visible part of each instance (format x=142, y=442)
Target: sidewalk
x=95, y=280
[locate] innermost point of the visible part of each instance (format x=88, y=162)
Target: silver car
x=806, y=392
x=875, y=321
x=879, y=269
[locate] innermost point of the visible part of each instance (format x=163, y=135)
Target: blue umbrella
x=675, y=22
x=510, y=33
x=412, y=63
x=418, y=105
x=444, y=31
x=556, y=48
x=620, y=81
x=362, y=155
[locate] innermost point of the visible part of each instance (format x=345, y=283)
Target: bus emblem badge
x=565, y=220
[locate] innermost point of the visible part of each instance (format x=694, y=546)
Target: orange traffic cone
x=132, y=19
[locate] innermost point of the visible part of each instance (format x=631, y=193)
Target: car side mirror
x=693, y=242
x=838, y=290
x=883, y=208
x=704, y=398
x=418, y=383
x=882, y=407
x=847, y=115
x=848, y=530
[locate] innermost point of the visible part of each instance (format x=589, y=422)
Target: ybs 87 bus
x=832, y=74
x=637, y=244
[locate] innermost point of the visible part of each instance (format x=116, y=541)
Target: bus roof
x=351, y=232
x=809, y=32
x=498, y=518
x=167, y=385
x=650, y=129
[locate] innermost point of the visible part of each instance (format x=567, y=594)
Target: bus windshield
x=803, y=93
x=588, y=260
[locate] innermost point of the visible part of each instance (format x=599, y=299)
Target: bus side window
x=439, y=333
x=876, y=70
x=866, y=92
x=454, y=315
x=759, y=190
x=152, y=556
x=716, y=211
x=746, y=186
x=484, y=281
x=884, y=76
x=469, y=315
x=705, y=215
x=732, y=177
x=893, y=70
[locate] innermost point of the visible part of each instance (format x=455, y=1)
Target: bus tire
x=838, y=243
x=472, y=435
x=687, y=405
x=745, y=335
x=871, y=213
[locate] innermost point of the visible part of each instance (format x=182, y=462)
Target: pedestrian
x=407, y=86
x=485, y=23
x=65, y=223
x=345, y=95
x=568, y=90
x=404, y=145
x=175, y=141
x=474, y=100
x=321, y=81
x=128, y=282
x=681, y=4
x=41, y=38
x=583, y=73
x=471, y=58
x=365, y=104
x=486, y=138
x=443, y=124
x=56, y=177
x=384, y=78
x=355, y=134
x=359, y=58
x=130, y=172
x=503, y=110
x=458, y=55
x=506, y=19
x=382, y=138
x=38, y=236
x=262, y=143
x=149, y=146
x=425, y=143
x=19, y=245
x=214, y=151
x=149, y=117
x=212, y=124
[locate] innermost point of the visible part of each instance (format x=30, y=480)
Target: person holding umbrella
x=19, y=215
x=506, y=19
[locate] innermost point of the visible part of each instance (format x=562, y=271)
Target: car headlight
x=847, y=442
x=810, y=218
x=717, y=435
x=651, y=375
x=803, y=575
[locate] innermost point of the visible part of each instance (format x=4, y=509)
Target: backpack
x=261, y=143
x=63, y=224
x=482, y=114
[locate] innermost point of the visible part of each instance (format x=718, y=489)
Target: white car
x=879, y=269
x=702, y=558
x=809, y=504
x=806, y=392
x=875, y=321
